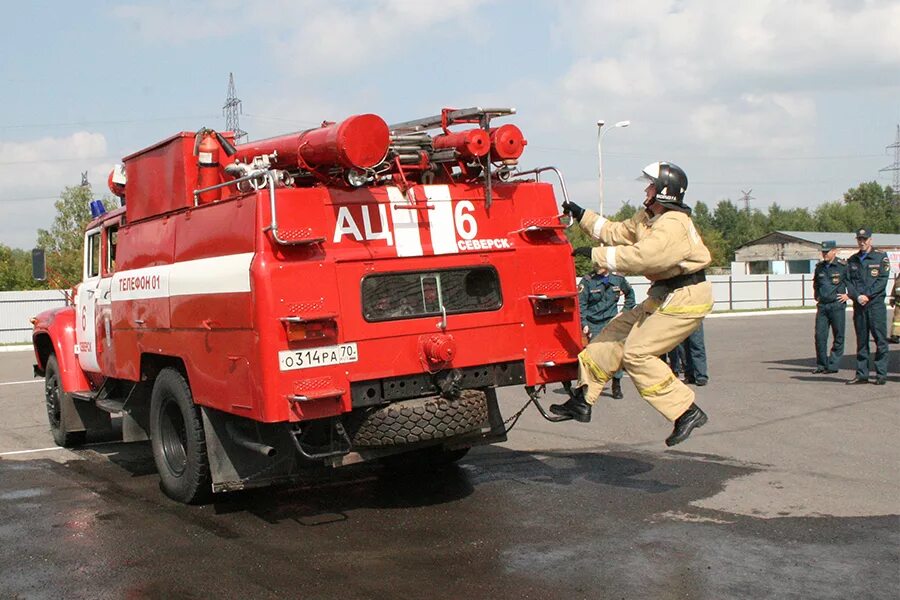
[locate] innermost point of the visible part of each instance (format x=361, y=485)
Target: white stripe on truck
x=216, y=275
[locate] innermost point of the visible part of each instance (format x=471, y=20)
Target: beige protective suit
x=665, y=246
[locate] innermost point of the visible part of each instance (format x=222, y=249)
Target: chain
x=515, y=418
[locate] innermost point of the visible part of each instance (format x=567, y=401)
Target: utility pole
x=896, y=166
x=746, y=198
x=231, y=110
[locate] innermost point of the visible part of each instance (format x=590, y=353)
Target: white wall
x=17, y=308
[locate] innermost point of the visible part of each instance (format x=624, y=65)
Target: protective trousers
x=635, y=340
x=594, y=330
x=871, y=319
x=833, y=316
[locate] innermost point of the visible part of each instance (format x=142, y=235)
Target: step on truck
x=353, y=292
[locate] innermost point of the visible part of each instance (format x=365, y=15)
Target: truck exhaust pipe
x=241, y=440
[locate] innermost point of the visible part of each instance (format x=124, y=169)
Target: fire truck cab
x=352, y=292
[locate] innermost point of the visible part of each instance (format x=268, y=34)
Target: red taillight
x=298, y=330
x=553, y=304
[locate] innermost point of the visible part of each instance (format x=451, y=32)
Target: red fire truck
x=352, y=292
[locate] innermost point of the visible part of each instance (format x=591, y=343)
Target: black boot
x=575, y=407
x=691, y=418
x=617, y=389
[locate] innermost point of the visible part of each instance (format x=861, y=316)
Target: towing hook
x=534, y=394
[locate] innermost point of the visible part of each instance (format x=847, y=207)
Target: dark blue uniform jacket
x=867, y=275
x=599, y=297
x=829, y=280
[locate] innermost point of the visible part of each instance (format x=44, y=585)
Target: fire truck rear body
x=296, y=312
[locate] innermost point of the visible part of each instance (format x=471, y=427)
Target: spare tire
x=422, y=419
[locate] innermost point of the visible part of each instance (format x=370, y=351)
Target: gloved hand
x=570, y=208
x=583, y=251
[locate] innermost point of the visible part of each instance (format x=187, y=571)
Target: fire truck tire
x=423, y=419
x=54, y=399
x=176, y=435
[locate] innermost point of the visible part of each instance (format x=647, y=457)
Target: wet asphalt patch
x=601, y=523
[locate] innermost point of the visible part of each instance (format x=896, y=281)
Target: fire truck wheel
x=54, y=400
x=423, y=419
x=176, y=434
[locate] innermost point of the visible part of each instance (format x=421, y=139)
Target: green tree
x=712, y=238
x=794, y=219
x=835, y=216
x=881, y=206
x=578, y=238
x=15, y=270
x=738, y=226
x=625, y=212
x=64, y=240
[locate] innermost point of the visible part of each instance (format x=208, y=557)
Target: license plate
x=290, y=360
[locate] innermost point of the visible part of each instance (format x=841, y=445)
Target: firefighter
x=598, y=303
x=895, y=302
x=830, y=292
x=662, y=244
x=867, y=277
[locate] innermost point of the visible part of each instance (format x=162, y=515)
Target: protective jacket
x=659, y=248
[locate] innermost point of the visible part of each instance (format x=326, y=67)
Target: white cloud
x=34, y=172
x=306, y=36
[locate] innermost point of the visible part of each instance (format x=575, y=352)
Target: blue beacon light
x=97, y=208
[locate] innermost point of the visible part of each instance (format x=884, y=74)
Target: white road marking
x=21, y=382
x=31, y=451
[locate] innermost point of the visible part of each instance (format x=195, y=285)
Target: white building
x=788, y=252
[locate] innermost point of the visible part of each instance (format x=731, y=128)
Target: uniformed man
x=867, y=277
x=598, y=303
x=830, y=292
x=895, y=322
x=662, y=244
x=695, y=371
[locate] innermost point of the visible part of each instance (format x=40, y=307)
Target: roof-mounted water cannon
x=116, y=182
x=410, y=144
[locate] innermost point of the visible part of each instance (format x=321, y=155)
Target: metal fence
x=17, y=308
x=745, y=292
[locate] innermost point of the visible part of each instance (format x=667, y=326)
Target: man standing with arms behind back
x=830, y=292
x=867, y=277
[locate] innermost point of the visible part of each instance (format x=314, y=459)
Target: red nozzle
x=472, y=143
x=507, y=143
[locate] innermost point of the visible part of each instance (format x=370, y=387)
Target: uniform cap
x=863, y=232
x=828, y=245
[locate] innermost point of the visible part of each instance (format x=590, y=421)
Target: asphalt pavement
x=790, y=491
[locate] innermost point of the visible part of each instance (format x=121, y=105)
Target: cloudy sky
x=796, y=99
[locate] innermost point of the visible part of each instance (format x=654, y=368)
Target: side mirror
x=38, y=265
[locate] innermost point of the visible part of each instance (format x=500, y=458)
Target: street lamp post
x=600, y=133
